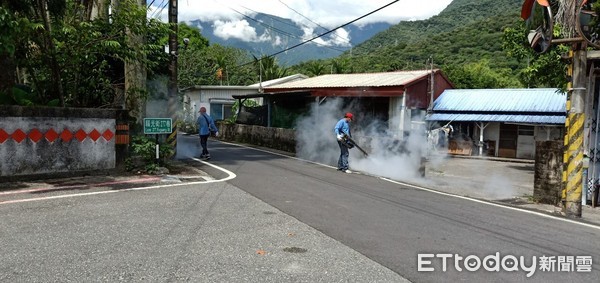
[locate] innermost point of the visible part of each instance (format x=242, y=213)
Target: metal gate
x=592, y=184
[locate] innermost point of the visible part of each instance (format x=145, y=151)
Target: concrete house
x=500, y=122
x=395, y=97
x=218, y=99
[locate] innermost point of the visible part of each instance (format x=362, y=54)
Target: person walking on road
x=206, y=126
x=342, y=130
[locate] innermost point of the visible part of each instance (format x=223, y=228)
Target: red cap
x=202, y=109
x=349, y=115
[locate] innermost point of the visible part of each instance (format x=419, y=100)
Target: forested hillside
x=467, y=35
x=466, y=31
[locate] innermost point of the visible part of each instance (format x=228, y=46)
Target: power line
x=272, y=17
x=161, y=9
x=323, y=34
x=296, y=26
x=281, y=31
x=312, y=20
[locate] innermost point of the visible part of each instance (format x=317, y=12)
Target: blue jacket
x=203, y=127
x=342, y=127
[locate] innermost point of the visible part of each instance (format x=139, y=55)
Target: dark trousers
x=343, y=160
x=204, y=144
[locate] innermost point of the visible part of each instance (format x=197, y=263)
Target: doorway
x=507, y=144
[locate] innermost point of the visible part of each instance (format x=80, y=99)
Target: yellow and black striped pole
x=573, y=150
x=172, y=138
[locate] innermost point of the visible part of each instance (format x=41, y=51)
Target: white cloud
x=341, y=37
x=235, y=29
x=329, y=14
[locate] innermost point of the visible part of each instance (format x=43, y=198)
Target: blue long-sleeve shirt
x=342, y=127
x=204, y=127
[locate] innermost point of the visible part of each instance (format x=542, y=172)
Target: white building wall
x=525, y=147
x=492, y=131
x=202, y=97
x=525, y=144
x=547, y=133
x=394, y=114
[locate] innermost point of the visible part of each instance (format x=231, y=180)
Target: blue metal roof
x=529, y=105
x=505, y=118
x=502, y=100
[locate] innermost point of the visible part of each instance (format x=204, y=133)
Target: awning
x=221, y=101
x=505, y=118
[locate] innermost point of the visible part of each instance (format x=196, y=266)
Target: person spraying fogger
x=342, y=130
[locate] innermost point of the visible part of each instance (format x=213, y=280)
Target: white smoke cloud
x=389, y=155
x=315, y=139
x=499, y=187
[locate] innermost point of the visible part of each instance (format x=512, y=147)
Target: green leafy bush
x=145, y=148
x=236, y=105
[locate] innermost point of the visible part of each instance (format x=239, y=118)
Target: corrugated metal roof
x=501, y=100
x=357, y=80
x=283, y=80
x=505, y=118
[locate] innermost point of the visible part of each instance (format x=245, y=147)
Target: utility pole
x=574, y=134
x=577, y=32
x=432, y=90
x=172, y=87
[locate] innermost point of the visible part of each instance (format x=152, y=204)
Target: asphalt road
x=207, y=231
x=260, y=226
x=393, y=223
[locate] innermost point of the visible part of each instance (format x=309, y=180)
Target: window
x=526, y=130
x=227, y=111
x=221, y=111
x=216, y=111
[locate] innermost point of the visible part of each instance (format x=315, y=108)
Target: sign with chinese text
x=157, y=126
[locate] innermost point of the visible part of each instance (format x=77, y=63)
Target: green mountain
x=467, y=31
x=283, y=33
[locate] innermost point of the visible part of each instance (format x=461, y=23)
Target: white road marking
x=439, y=192
x=493, y=204
x=48, y=189
x=230, y=175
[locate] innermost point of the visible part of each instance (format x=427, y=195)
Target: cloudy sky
x=329, y=14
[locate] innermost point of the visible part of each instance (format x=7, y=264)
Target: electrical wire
x=276, y=29
x=323, y=34
x=280, y=31
x=336, y=35
x=161, y=9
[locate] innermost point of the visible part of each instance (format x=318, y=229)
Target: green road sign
x=157, y=126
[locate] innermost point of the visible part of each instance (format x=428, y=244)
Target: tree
x=479, y=75
x=268, y=69
x=64, y=55
x=341, y=66
x=35, y=18
x=9, y=27
x=200, y=67
x=316, y=68
x=542, y=70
